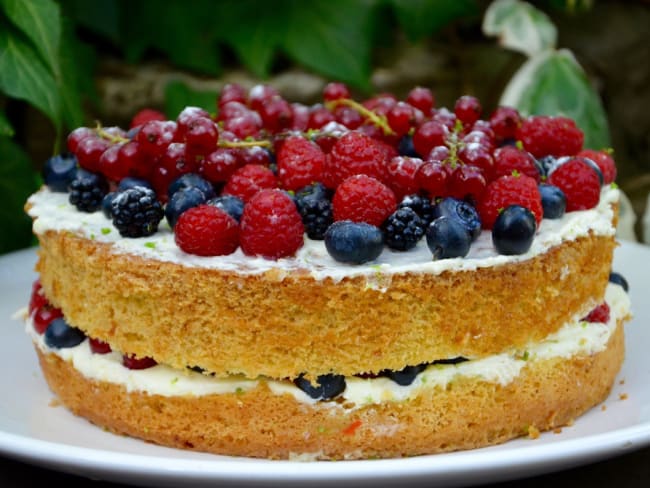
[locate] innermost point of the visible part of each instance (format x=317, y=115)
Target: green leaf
x=420, y=18
x=178, y=96
x=5, y=126
x=40, y=21
x=519, y=26
x=553, y=83
x=23, y=75
x=17, y=182
x=334, y=38
x=101, y=17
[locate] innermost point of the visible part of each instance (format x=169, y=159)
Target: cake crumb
x=557, y=430
x=533, y=432
x=603, y=407
x=622, y=382
x=55, y=402
x=570, y=423
x=622, y=396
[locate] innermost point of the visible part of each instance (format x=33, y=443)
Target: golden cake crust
x=468, y=413
x=282, y=326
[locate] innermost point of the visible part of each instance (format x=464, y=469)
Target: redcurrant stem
x=376, y=119
x=260, y=143
x=109, y=137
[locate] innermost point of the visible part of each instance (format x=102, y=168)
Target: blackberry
x=327, y=386
x=406, y=376
x=87, y=191
x=403, y=229
x=422, y=206
x=315, y=207
x=136, y=212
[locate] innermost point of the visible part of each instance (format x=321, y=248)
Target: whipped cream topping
x=52, y=212
x=575, y=338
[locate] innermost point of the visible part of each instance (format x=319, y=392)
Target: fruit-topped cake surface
x=345, y=280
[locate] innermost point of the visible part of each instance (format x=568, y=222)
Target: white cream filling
x=52, y=211
x=575, y=338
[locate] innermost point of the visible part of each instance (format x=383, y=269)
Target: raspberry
x=248, y=180
x=300, y=163
x=543, y=135
x=579, y=182
x=136, y=212
x=506, y=191
x=361, y=198
x=271, y=226
x=598, y=314
x=604, y=161
x=206, y=231
x=355, y=153
x=509, y=158
x=144, y=116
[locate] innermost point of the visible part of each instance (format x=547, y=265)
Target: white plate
x=35, y=431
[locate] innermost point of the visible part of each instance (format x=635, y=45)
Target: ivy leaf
x=519, y=26
x=420, y=18
x=40, y=21
x=178, y=96
x=5, y=126
x=24, y=76
x=333, y=38
x=75, y=78
x=17, y=182
x=553, y=83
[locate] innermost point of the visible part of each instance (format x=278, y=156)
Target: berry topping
x=510, y=190
x=405, y=376
x=132, y=362
x=401, y=174
x=543, y=135
x=59, y=171
x=315, y=208
x=327, y=386
x=504, y=122
x=421, y=205
x=422, y=99
x=599, y=314
x=87, y=191
x=362, y=198
x=181, y=201
x=154, y=137
x=619, y=279
x=230, y=204
x=335, y=90
x=514, y=230
x=130, y=182
x=89, y=151
x=579, y=182
x=61, y=335
x=144, y=116
x=604, y=161
x=191, y=180
x=98, y=346
x=37, y=299
x=271, y=226
x=405, y=147
x=43, y=316
x=355, y=153
x=467, y=109
x=206, y=230
x=248, y=180
x=300, y=163
x=448, y=238
x=461, y=211
x=403, y=229
x=553, y=201
x=136, y=212
x=510, y=158
x=353, y=242
x=429, y=135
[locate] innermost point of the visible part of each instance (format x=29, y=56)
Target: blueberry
x=514, y=230
x=353, y=242
x=546, y=165
x=230, y=204
x=448, y=238
x=59, y=171
x=327, y=386
x=617, y=278
x=404, y=376
x=596, y=168
x=553, y=201
x=182, y=200
x=130, y=182
x=60, y=334
x=405, y=147
x=107, y=204
x=191, y=180
x=459, y=210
